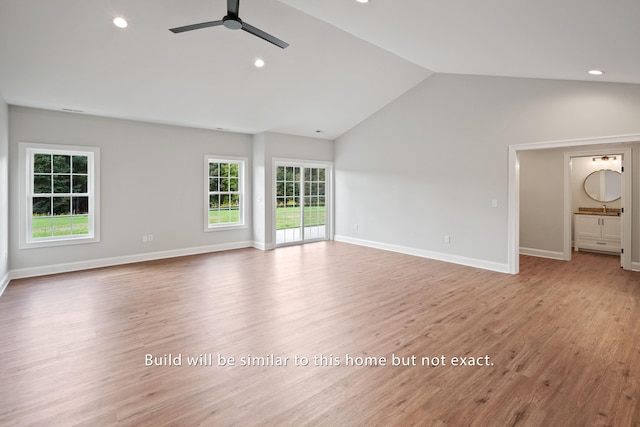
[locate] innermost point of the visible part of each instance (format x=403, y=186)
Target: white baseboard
x=454, y=259
x=542, y=253
x=264, y=246
x=635, y=266
x=4, y=282
x=128, y=259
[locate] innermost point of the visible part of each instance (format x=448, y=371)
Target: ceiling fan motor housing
x=232, y=23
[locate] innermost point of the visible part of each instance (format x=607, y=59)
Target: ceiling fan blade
x=233, y=7
x=268, y=37
x=196, y=26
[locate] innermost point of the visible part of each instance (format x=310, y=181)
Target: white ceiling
x=522, y=38
x=345, y=61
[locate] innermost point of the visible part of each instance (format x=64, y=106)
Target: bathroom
x=552, y=190
x=596, y=202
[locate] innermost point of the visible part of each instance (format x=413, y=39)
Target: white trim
x=108, y=262
x=564, y=143
x=513, y=214
x=438, y=256
x=635, y=266
x=513, y=244
x=543, y=253
x=4, y=282
x=264, y=246
x=567, y=199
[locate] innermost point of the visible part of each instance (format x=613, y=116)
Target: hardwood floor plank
x=562, y=339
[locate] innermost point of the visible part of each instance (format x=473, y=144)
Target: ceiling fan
x=233, y=22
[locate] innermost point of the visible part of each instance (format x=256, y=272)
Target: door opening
x=513, y=264
x=301, y=203
x=597, y=200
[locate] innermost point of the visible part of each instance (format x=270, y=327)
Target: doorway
x=597, y=198
x=302, y=194
x=513, y=263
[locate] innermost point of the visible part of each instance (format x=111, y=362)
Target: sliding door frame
x=329, y=197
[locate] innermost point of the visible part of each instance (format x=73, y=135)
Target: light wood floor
x=563, y=337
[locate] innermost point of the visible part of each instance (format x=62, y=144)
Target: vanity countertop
x=598, y=211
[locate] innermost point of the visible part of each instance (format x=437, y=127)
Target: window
x=60, y=189
x=224, y=195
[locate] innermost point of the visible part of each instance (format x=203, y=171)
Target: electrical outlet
x=150, y=237
x=145, y=238
x=494, y=203
x=447, y=239
x=355, y=227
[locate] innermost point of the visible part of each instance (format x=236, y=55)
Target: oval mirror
x=603, y=185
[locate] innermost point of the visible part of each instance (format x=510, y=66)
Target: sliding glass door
x=301, y=203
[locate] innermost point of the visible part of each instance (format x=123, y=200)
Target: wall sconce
x=604, y=158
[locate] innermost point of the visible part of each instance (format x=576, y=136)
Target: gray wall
x=430, y=163
x=152, y=182
x=542, y=201
x=4, y=194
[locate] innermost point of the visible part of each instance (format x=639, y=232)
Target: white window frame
x=242, y=170
x=26, y=154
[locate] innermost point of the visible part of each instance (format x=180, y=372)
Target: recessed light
x=120, y=22
x=596, y=72
x=259, y=63
x=362, y=1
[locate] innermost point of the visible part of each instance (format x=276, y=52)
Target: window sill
x=226, y=227
x=34, y=244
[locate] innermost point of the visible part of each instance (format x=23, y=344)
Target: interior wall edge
x=4, y=282
x=264, y=246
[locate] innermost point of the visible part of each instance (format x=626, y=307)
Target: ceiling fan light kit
x=233, y=22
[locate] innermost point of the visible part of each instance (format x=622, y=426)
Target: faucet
x=604, y=208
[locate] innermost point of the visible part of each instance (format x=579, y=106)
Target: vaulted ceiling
x=345, y=61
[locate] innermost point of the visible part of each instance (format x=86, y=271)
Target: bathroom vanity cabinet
x=597, y=233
